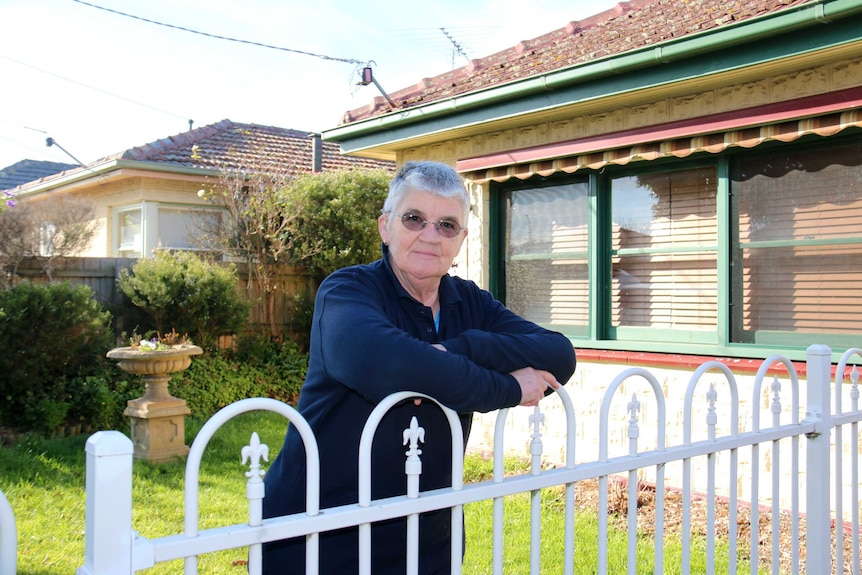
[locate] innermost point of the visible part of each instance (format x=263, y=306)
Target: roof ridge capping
x=145, y=151
x=570, y=29
x=578, y=26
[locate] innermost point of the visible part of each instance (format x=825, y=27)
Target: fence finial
x=253, y=453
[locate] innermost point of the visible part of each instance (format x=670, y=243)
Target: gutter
x=805, y=16
x=104, y=170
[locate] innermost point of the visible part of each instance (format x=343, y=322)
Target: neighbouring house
x=146, y=196
x=665, y=182
x=26, y=171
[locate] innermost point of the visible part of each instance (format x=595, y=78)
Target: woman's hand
x=534, y=383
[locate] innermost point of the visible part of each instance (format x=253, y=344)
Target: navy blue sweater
x=370, y=338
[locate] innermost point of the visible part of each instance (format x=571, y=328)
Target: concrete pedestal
x=158, y=426
x=157, y=418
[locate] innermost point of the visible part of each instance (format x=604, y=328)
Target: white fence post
x=8, y=538
x=109, y=536
x=818, y=541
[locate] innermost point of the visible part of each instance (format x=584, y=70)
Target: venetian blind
x=664, y=243
x=799, y=243
x=546, y=254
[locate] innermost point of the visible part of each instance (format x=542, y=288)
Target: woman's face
x=422, y=254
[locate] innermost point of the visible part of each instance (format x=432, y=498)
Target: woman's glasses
x=415, y=223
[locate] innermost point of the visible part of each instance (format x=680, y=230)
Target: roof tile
x=29, y=170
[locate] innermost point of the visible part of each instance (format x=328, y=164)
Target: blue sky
x=98, y=82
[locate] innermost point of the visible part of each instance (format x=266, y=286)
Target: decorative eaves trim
x=676, y=140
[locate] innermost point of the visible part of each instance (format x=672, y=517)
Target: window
x=661, y=263
x=180, y=228
x=47, y=234
x=149, y=226
x=547, y=255
x=797, y=246
x=724, y=254
x=131, y=233
x=663, y=252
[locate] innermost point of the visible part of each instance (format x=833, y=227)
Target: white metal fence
x=754, y=453
x=8, y=538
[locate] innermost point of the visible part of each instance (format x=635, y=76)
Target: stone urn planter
x=157, y=418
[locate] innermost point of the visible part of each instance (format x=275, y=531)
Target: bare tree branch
x=45, y=230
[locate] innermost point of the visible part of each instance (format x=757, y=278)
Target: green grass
x=44, y=481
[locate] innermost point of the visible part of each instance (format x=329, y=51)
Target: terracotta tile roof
x=28, y=170
x=233, y=146
x=230, y=145
x=627, y=26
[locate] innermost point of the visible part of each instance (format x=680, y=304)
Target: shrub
x=259, y=369
x=100, y=400
x=53, y=336
x=333, y=220
x=182, y=292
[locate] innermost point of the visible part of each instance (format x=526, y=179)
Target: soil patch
x=587, y=499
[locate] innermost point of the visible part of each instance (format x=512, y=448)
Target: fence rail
x=811, y=446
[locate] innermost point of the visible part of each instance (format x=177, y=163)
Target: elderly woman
x=403, y=323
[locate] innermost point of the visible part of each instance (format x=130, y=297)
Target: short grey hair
x=433, y=177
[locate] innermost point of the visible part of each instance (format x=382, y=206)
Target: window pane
x=186, y=229
x=546, y=254
x=47, y=235
x=174, y=227
x=131, y=239
x=798, y=246
x=664, y=242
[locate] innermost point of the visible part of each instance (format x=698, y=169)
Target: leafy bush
x=258, y=369
x=181, y=292
x=54, y=338
x=333, y=220
x=102, y=399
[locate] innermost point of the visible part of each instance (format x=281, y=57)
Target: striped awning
x=652, y=149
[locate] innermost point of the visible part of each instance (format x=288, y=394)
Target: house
x=145, y=196
x=664, y=182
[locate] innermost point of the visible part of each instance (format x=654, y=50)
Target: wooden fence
x=101, y=274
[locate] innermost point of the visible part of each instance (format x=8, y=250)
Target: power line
x=91, y=87
x=218, y=37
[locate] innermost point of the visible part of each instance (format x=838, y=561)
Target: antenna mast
x=456, y=47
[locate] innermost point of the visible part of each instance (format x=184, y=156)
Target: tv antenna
x=456, y=47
